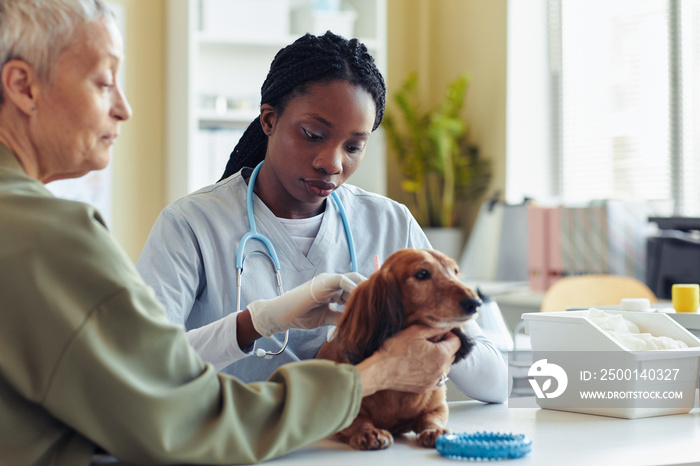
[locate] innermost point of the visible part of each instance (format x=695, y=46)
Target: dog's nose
x=470, y=305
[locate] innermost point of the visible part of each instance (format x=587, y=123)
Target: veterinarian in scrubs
x=322, y=99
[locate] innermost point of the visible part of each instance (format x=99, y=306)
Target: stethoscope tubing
x=253, y=234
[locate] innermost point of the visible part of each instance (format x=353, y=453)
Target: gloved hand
x=306, y=306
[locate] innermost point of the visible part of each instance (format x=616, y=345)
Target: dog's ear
x=373, y=313
x=465, y=348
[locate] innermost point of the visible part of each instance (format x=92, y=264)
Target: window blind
x=627, y=77
x=689, y=66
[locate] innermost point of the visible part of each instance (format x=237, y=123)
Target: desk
x=513, y=298
x=514, y=305
x=557, y=438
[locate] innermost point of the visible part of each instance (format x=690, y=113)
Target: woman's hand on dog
x=307, y=306
x=413, y=360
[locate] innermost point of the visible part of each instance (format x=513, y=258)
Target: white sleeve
x=217, y=343
x=483, y=374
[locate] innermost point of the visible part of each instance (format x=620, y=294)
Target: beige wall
x=440, y=39
x=138, y=164
x=437, y=38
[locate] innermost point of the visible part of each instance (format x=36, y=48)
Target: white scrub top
x=189, y=260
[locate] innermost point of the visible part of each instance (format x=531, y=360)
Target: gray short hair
x=37, y=31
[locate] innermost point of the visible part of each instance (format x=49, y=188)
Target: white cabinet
x=218, y=55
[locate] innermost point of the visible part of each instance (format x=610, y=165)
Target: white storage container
x=572, y=331
x=246, y=19
x=689, y=320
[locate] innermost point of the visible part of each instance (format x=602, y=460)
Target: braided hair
x=310, y=59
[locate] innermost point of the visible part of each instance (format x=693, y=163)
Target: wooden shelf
x=204, y=39
x=210, y=118
x=225, y=65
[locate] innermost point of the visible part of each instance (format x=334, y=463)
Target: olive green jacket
x=88, y=358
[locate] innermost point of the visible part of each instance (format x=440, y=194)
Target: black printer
x=673, y=255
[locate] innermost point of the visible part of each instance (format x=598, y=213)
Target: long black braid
x=310, y=59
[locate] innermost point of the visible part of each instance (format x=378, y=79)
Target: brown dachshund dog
x=413, y=286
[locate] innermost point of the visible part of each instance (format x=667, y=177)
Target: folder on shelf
x=538, y=247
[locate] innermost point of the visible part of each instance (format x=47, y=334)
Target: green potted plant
x=441, y=169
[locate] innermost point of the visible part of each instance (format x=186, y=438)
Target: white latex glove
x=306, y=306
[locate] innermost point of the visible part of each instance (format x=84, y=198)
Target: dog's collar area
x=483, y=446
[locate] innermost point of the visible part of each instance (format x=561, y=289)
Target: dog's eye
x=422, y=274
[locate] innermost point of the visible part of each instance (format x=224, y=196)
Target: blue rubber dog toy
x=483, y=446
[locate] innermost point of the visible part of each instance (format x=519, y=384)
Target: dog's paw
x=371, y=439
x=428, y=437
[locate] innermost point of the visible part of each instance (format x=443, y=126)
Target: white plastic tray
x=573, y=331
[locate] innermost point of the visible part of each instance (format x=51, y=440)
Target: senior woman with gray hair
x=88, y=359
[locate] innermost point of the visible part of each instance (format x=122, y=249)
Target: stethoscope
x=272, y=254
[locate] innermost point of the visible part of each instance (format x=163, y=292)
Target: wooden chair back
x=593, y=290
